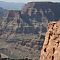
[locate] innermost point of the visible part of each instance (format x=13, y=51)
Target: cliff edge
x=51, y=46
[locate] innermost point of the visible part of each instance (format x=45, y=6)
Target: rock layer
x=51, y=46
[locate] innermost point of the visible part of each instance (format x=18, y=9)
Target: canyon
x=22, y=33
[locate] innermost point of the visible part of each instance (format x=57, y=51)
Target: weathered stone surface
x=51, y=46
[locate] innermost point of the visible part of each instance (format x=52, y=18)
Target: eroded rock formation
x=51, y=47
x=22, y=33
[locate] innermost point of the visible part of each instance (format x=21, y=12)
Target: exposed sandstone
x=51, y=46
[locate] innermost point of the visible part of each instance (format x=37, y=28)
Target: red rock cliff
x=51, y=46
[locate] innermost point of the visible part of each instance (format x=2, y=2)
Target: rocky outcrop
x=42, y=10
x=51, y=46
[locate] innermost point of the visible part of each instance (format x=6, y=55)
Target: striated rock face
x=42, y=11
x=51, y=47
x=22, y=32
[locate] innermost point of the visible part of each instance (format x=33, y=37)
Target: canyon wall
x=51, y=46
x=22, y=32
